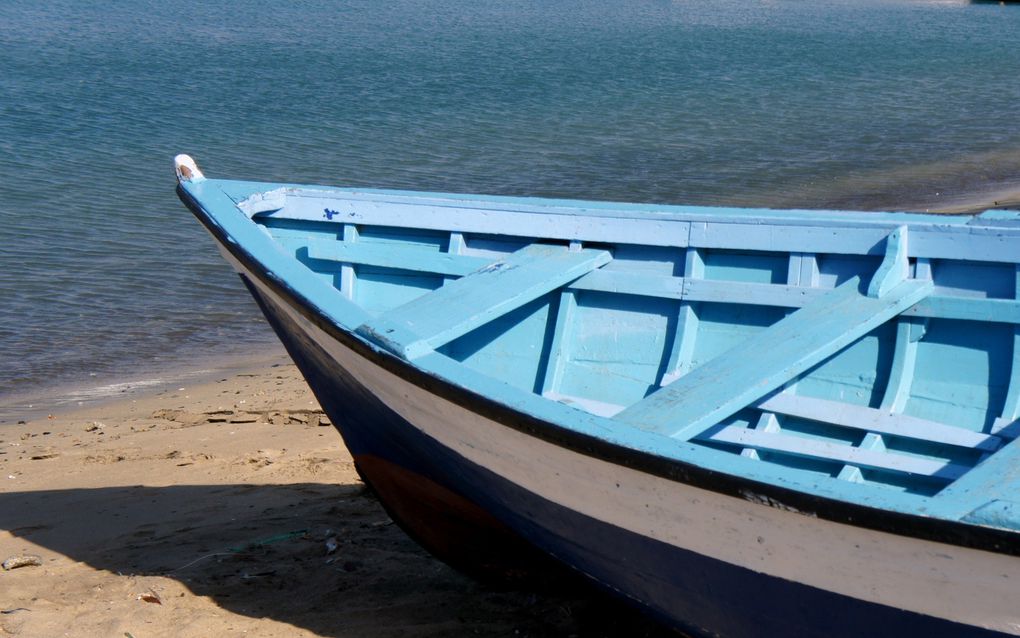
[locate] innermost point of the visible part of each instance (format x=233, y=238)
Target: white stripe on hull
x=944, y=581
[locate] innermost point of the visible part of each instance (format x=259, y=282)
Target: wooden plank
x=859, y=417
x=565, y=223
x=348, y=276
x=367, y=254
x=590, y=406
x=559, y=348
x=785, y=295
x=839, y=452
x=895, y=268
x=769, y=359
x=853, y=473
x=441, y=316
x=767, y=422
x=1011, y=406
x=681, y=351
x=631, y=283
x=968, y=309
x=909, y=331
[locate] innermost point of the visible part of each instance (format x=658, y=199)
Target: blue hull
x=456, y=508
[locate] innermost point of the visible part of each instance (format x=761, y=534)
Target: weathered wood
x=685, y=337
x=853, y=473
x=460, y=306
x=348, y=276
x=860, y=417
x=935, y=306
x=769, y=359
x=894, y=268
x=841, y=452
x=559, y=348
x=1011, y=405
x=367, y=254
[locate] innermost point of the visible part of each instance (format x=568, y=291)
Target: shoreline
x=210, y=511
x=67, y=397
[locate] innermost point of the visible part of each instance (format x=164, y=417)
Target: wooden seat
x=460, y=306
x=770, y=359
x=860, y=417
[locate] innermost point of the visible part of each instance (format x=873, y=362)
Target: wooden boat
x=748, y=422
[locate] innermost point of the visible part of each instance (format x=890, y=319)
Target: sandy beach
x=231, y=508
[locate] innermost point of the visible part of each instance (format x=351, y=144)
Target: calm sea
x=105, y=277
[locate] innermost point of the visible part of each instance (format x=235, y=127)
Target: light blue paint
x=770, y=359
x=426, y=322
x=884, y=404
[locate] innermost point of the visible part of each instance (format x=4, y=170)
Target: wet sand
x=212, y=510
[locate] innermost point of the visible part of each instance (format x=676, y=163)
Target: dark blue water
x=104, y=276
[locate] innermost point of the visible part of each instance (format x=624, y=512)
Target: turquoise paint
x=610, y=338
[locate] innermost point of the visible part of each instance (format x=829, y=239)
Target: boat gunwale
x=834, y=509
x=627, y=210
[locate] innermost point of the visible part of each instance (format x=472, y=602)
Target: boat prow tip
x=187, y=169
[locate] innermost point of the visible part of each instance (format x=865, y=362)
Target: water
x=104, y=277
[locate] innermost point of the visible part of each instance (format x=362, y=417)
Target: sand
x=231, y=508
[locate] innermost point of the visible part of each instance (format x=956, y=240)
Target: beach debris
x=25, y=560
x=299, y=533
x=149, y=597
x=94, y=426
x=41, y=457
x=324, y=421
x=332, y=544
x=13, y=610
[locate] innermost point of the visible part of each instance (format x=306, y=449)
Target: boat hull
x=704, y=562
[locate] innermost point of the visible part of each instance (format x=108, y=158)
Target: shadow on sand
x=260, y=551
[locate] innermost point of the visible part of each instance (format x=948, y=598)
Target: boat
x=746, y=422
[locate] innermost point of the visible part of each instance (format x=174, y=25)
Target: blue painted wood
x=1011, y=406
x=879, y=421
x=767, y=422
x=908, y=332
x=842, y=453
x=822, y=248
x=776, y=355
x=684, y=338
x=968, y=309
x=895, y=268
x=995, y=478
x=631, y=283
x=348, y=276
x=461, y=306
x=384, y=256
x=853, y=473
x=559, y=348
x=785, y=295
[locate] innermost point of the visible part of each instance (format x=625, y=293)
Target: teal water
x=104, y=276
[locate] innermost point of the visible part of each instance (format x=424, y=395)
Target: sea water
x=106, y=278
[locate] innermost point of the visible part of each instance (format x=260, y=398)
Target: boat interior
x=875, y=352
